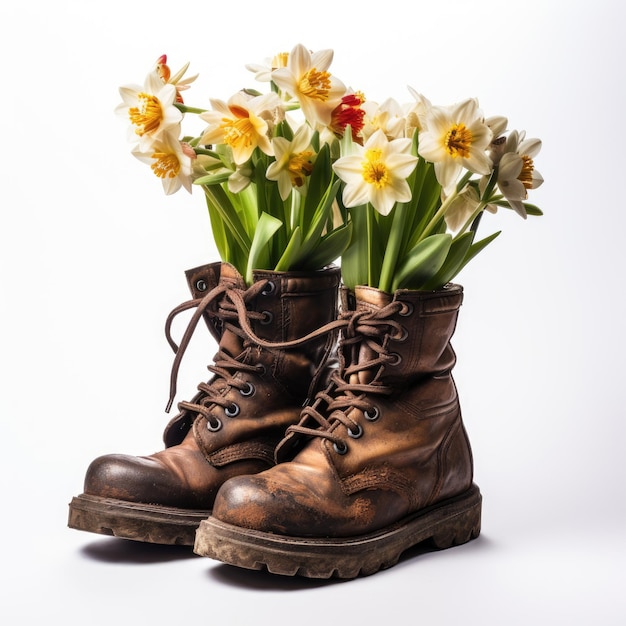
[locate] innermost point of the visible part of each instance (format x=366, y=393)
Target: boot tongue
x=368, y=299
x=230, y=342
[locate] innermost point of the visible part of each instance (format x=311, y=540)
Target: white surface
x=93, y=256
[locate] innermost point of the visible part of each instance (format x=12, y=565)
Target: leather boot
x=378, y=463
x=233, y=423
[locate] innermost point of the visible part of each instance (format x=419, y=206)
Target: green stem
x=183, y=108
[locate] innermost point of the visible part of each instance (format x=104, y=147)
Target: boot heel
x=460, y=526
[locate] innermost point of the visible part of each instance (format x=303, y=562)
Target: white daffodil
x=307, y=80
x=171, y=161
x=387, y=116
x=415, y=113
x=516, y=170
x=377, y=172
x=456, y=138
x=150, y=110
x=293, y=161
x=241, y=124
x=263, y=73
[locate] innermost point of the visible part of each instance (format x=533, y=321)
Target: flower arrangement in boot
x=380, y=459
x=295, y=177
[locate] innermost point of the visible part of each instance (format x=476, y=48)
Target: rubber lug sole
x=150, y=523
x=452, y=522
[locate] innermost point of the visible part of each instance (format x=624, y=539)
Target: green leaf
x=286, y=261
x=257, y=259
x=321, y=217
x=422, y=262
x=330, y=248
x=453, y=263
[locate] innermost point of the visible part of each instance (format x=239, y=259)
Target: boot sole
x=452, y=522
x=133, y=520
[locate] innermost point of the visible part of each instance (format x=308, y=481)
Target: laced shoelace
x=231, y=307
x=371, y=328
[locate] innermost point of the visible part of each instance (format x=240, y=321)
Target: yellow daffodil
x=377, y=172
x=456, y=138
x=242, y=124
x=293, y=161
x=307, y=79
x=150, y=110
x=171, y=161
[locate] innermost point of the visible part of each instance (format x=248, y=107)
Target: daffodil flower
x=387, y=116
x=456, y=138
x=516, y=170
x=306, y=78
x=242, y=124
x=150, y=110
x=293, y=161
x=171, y=161
x=165, y=74
x=263, y=73
x=377, y=172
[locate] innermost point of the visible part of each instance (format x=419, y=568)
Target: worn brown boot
x=232, y=425
x=379, y=463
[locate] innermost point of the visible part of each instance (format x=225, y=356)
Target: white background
x=92, y=260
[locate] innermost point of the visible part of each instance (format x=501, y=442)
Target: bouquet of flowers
x=309, y=172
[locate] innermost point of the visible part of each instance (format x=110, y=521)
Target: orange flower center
x=526, y=175
x=147, y=117
x=300, y=166
x=458, y=141
x=166, y=165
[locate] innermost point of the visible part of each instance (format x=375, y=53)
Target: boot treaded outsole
x=151, y=523
x=451, y=522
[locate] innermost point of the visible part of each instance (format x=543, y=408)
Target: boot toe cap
x=122, y=477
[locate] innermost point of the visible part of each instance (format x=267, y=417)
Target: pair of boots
x=327, y=442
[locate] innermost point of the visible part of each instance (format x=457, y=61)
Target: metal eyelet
x=407, y=309
x=268, y=289
x=201, y=284
x=340, y=448
x=210, y=427
x=356, y=433
x=372, y=415
x=232, y=410
x=248, y=390
x=268, y=318
x=261, y=370
x=402, y=336
x=396, y=359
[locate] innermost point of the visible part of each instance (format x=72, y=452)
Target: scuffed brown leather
x=196, y=461
x=414, y=455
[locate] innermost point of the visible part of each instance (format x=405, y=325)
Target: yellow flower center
x=166, y=164
x=458, y=141
x=300, y=166
x=147, y=117
x=280, y=60
x=526, y=175
x=315, y=85
x=375, y=172
x=238, y=133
